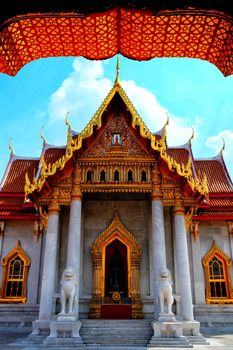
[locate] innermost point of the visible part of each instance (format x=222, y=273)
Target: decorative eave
x=157, y=144
x=136, y=29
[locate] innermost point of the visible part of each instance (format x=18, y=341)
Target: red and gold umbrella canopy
x=100, y=31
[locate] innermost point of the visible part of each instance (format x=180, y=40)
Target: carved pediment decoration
x=116, y=137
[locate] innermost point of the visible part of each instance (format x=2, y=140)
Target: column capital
x=156, y=183
x=76, y=192
x=54, y=207
x=178, y=208
x=156, y=193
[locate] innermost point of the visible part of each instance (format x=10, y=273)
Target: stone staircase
x=117, y=332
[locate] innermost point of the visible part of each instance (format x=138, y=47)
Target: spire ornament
x=117, y=70
x=42, y=135
x=67, y=120
x=10, y=146
x=223, y=146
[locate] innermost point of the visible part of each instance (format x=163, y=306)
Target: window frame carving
x=216, y=251
x=16, y=251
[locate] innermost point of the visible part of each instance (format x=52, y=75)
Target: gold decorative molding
x=189, y=216
x=194, y=229
x=43, y=217
x=54, y=206
x=116, y=230
x=17, y=251
x=38, y=229
x=77, y=178
x=156, y=183
x=178, y=208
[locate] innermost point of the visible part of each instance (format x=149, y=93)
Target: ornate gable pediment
x=116, y=137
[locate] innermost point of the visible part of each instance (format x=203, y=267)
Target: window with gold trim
x=218, y=279
x=14, y=277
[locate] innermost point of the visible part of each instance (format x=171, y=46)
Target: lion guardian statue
x=68, y=284
x=165, y=291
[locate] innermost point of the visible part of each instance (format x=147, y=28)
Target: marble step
x=119, y=332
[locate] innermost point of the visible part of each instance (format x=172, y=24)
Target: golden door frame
x=116, y=230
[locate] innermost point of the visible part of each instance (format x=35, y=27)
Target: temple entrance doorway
x=116, y=282
x=116, y=302
x=116, y=270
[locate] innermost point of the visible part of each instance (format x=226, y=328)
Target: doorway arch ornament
x=116, y=230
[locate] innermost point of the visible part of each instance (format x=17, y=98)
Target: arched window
x=217, y=278
x=89, y=176
x=130, y=176
x=217, y=273
x=143, y=176
x=102, y=176
x=14, y=278
x=116, y=176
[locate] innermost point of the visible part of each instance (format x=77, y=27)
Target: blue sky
x=194, y=94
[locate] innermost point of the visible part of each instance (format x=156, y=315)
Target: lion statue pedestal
x=167, y=331
x=65, y=331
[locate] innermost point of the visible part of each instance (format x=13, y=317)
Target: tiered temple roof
x=24, y=177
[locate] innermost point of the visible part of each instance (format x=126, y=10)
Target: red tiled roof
x=12, y=201
x=52, y=154
x=217, y=178
x=14, y=179
x=181, y=155
x=215, y=213
x=221, y=202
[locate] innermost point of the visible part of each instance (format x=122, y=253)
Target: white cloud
x=179, y=131
x=151, y=111
x=80, y=94
x=85, y=89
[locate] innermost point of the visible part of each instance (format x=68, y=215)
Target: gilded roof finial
x=223, y=146
x=10, y=146
x=117, y=69
x=67, y=120
x=167, y=122
x=193, y=134
x=42, y=135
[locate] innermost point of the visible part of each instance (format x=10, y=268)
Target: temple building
x=116, y=204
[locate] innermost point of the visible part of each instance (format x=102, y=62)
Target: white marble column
x=158, y=235
x=198, y=272
x=158, y=238
x=74, y=241
x=74, y=236
x=182, y=263
x=50, y=260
